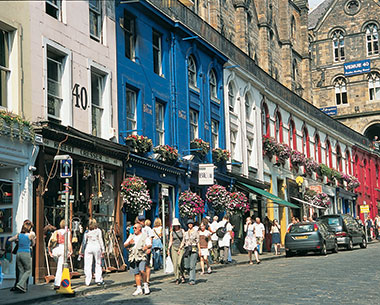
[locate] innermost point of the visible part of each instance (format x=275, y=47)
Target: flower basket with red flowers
x=168, y=154
x=135, y=195
x=269, y=146
x=219, y=197
x=220, y=155
x=311, y=166
x=238, y=203
x=297, y=158
x=190, y=204
x=318, y=199
x=283, y=152
x=202, y=146
x=352, y=182
x=139, y=144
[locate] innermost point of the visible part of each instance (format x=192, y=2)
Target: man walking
x=150, y=234
x=224, y=240
x=259, y=233
x=214, y=239
x=139, y=246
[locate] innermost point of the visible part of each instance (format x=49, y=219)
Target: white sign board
x=206, y=174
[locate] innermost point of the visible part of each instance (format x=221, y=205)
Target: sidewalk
x=45, y=292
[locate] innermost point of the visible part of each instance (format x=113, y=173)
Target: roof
x=318, y=13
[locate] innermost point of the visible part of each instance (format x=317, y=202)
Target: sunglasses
x=135, y=227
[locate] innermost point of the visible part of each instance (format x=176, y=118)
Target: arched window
x=348, y=163
x=318, y=148
x=338, y=45
x=365, y=172
x=372, y=38
x=231, y=96
x=357, y=167
x=292, y=135
x=295, y=70
x=328, y=154
x=278, y=131
x=374, y=86
x=213, y=84
x=265, y=120
x=338, y=158
x=192, y=71
x=248, y=106
x=293, y=28
x=340, y=91
x=305, y=142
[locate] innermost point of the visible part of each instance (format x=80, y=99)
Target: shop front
x=346, y=202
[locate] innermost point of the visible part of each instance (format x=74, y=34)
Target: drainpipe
x=173, y=89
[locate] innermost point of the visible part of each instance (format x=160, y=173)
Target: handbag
x=187, y=251
x=15, y=249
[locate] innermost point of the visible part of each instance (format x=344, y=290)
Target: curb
x=126, y=283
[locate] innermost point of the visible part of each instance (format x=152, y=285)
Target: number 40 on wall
x=80, y=96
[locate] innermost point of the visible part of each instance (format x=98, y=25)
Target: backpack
x=220, y=232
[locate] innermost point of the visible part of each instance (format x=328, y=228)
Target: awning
x=308, y=203
x=270, y=196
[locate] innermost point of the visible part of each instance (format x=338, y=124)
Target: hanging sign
x=206, y=174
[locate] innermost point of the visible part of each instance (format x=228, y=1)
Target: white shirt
x=94, y=238
x=225, y=241
x=259, y=229
x=214, y=226
x=148, y=231
x=136, y=239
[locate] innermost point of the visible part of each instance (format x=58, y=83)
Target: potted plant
x=190, y=204
x=337, y=176
x=352, y=182
x=283, y=152
x=269, y=146
x=135, y=195
x=15, y=126
x=318, y=199
x=202, y=147
x=139, y=144
x=297, y=159
x=311, y=166
x=168, y=154
x=326, y=171
x=220, y=155
x=218, y=196
x=238, y=203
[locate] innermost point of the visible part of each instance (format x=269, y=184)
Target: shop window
x=53, y=8
x=193, y=124
x=97, y=104
x=372, y=38
x=231, y=96
x=157, y=52
x=6, y=193
x=340, y=91
x=374, y=86
x=214, y=133
x=233, y=143
x=338, y=45
x=213, y=85
x=160, y=123
x=131, y=110
x=4, y=68
x=250, y=151
x=192, y=72
x=129, y=35
x=95, y=11
x=6, y=220
x=54, y=84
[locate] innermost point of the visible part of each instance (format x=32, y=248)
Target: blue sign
x=357, y=67
x=66, y=168
x=332, y=110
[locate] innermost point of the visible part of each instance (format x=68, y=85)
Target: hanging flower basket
x=220, y=155
x=219, y=197
x=337, y=176
x=168, y=154
x=297, y=159
x=202, y=146
x=139, y=144
x=190, y=204
x=283, y=152
x=15, y=126
x=311, y=166
x=269, y=146
x=352, y=182
x=135, y=195
x=318, y=199
x=238, y=203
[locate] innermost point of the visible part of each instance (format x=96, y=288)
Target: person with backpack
x=214, y=239
x=224, y=233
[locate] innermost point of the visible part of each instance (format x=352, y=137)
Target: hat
x=190, y=221
x=176, y=222
x=141, y=218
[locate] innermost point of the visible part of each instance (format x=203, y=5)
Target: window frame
x=231, y=96
x=341, y=96
x=157, y=52
x=100, y=108
x=337, y=38
x=305, y=142
x=99, y=16
x=233, y=143
x=194, y=124
x=59, y=98
x=160, y=128
x=213, y=84
x=214, y=133
x=265, y=120
x=373, y=42
x=339, y=158
x=278, y=126
x=292, y=135
x=129, y=35
x=248, y=106
x=374, y=86
x=348, y=162
x=328, y=154
x=131, y=121
x=250, y=144
x=192, y=72
x=55, y=6
x=5, y=70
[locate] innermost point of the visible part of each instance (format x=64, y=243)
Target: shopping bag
x=169, y=265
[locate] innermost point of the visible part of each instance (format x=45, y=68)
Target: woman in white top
x=276, y=238
x=157, y=244
x=250, y=243
x=94, y=247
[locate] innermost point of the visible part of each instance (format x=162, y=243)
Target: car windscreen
x=332, y=221
x=304, y=228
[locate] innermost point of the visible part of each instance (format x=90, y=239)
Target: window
x=292, y=135
x=53, y=8
x=295, y=70
x=372, y=38
x=131, y=111
x=192, y=72
x=348, y=163
x=265, y=120
x=306, y=143
x=374, y=86
x=340, y=91
x=233, y=143
x=160, y=123
x=4, y=68
x=95, y=19
x=193, y=124
x=328, y=154
x=338, y=158
x=293, y=28
x=97, y=89
x=213, y=85
x=214, y=133
x=231, y=96
x=157, y=52
x=54, y=84
x=129, y=35
x=278, y=131
x=338, y=45
x=250, y=151
x=248, y=107
x=318, y=149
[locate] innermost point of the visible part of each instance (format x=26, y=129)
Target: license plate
x=301, y=237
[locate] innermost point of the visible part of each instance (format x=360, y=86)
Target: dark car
x=310, y=236
x=347, y=230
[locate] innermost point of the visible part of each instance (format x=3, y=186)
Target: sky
x=314, y=3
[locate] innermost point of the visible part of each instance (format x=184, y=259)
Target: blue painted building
x=170, y=88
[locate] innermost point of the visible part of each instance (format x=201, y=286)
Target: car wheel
x=289, y=253
x=324, y=249
x=336, y=248
x=350, y=245
x=364, y=243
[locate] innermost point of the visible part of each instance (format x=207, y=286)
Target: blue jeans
x=157, y=258
x=191, y=263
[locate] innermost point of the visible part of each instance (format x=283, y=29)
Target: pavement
x=45, y=293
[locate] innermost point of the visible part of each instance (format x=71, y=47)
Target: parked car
x=347, y=230
x=310, y=236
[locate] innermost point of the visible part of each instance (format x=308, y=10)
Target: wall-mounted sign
x=148, y=109
x=331, y=110
x=80, y=96
x=316, y=188
x=357, y=67
x=364, y=209
x=206, y=174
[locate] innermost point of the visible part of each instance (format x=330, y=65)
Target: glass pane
x=6, y=193
x=96, y=121
x=6, y=217
x=94, y=24
x=96, y=89
x=131, y=104
x=4, y=51
x=54, y=106
x=3, y=88
x=95, y=4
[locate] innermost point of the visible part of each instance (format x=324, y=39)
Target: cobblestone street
x=349, y=277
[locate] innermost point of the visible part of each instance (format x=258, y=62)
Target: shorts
x=148, y=259
x=137, y=267
x=204, y=253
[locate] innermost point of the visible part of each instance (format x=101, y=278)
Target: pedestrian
x=56, y=250
x=294, y=220
x=250, y=243
x=214, y=239
x=204, y=238
x=157, y=244
x=305, y=219
x=259, y=234
x=93, y=248
x=268, y=235
x=192, y=249
x=224, y=240
x=26, y=239
x=139, y=245
x=175, y=250
x=276, y=238
x=149, y=233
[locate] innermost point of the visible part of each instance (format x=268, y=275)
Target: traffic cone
x=65, y=287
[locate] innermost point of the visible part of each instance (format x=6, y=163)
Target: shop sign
x=364, y=209
x=165, y=191
x=206, y=174
x=316, y=188
x=357, y=67
x=82, y=152
x=331, y=110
